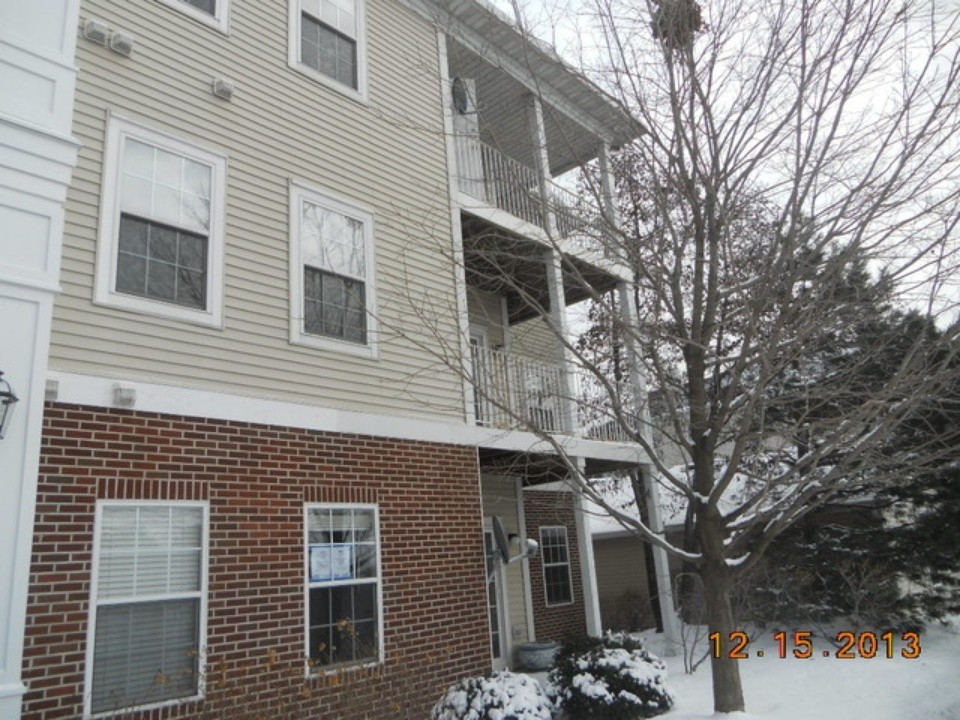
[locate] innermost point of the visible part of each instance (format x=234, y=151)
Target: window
x=209, y=12
x=327, y=43
x=555, y=558
x=160, y=249
x=343, y=585
x=332, y=298
x=148, y=605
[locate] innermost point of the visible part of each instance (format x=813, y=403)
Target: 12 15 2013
x=847, y=645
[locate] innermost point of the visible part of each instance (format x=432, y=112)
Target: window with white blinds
x=149, y=602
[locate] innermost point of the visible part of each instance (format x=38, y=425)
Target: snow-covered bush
x=612, y=678
x=501, y=696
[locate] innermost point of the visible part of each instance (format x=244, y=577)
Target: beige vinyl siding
x=388, y=155
x=622, y=583
x=484, y=309
x=534, y=339
x=499, y=495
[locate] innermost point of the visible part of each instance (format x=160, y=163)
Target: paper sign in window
x=320, y=562
x=342, y=562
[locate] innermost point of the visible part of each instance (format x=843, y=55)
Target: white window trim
x=105, y=293
x=334, y=669
x=543, y=564
x=300, y=192
x=293, y=53
x=220, y=21
x=92, y=614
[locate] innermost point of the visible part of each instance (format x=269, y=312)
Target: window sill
x=370, y=350
x=358, y=95
x=146, y=707
x=157, y=308
x=319, y=672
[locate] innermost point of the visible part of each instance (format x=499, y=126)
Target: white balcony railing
x=498, y=180
x=595, y=411
x=514, y=392
x=573, y=217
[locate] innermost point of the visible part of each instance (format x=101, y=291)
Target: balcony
x=512, y=392
x=495, y=179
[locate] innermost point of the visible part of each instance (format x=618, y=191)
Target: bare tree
x=797, y=178
x=787, y=145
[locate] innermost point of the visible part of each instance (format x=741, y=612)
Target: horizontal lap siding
x=485, y=310
x=388, y=155
x=534, y=339
x=500, y=498
x=622, y=583
x=256, y=479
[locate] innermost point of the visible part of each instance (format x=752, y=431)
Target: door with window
x=495, y=599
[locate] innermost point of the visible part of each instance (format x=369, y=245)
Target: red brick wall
x=556, y=622
x=257, y=479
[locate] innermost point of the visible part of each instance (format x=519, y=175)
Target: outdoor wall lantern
x=8, y=399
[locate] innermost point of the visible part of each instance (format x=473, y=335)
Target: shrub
x=501, y=696
x=610, y=678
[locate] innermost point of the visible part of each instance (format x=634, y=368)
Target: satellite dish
x=501, y=540
x=461, y=95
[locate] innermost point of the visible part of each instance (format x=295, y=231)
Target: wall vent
x=121, y=44
x=223, y=88
x=96, y=31
x=124, y=395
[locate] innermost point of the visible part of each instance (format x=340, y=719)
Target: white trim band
x=77, y=389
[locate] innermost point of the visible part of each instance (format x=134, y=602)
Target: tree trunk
x=727, y=688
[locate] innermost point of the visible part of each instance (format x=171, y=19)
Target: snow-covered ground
x=927, y=688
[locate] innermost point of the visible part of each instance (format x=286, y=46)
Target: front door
x=498, y=649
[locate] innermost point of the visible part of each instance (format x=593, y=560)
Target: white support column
x=558, y=322
x=588, y=572
x=456, y=233
x=541, y=160
x=557, y=316
x=671, y=627
x=37, y=155
x=606, y=185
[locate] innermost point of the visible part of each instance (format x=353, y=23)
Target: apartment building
x=302, y=354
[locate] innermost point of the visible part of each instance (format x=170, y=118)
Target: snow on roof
x=618, y=493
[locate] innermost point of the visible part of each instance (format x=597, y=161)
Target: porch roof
x=573, y=103
x=499, y=262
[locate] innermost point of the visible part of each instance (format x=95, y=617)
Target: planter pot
x=537, y=656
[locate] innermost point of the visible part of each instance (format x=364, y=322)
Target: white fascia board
x=521, y=441
x=558, y=486
x=207, y=404
x=512, y=224
x=502, y=219
x=96, y=391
